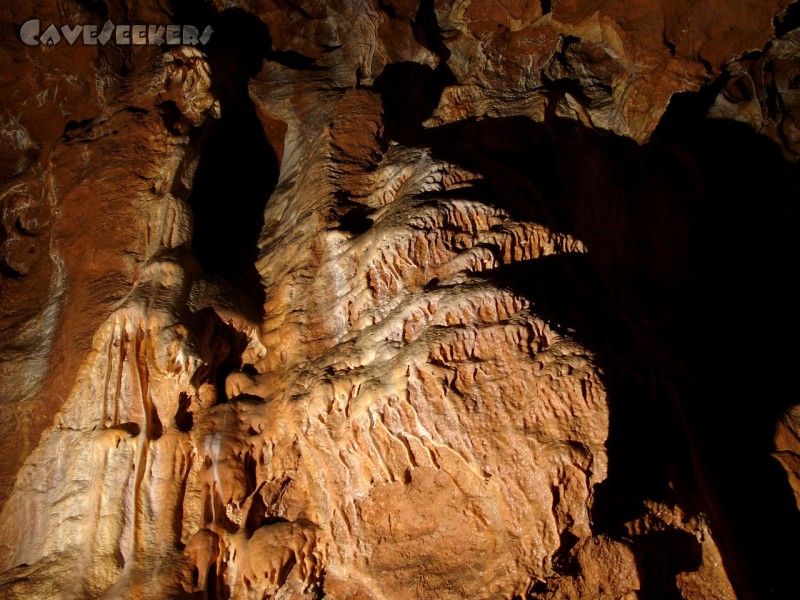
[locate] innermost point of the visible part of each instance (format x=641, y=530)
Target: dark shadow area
x=427, y=32
x=93, y=6
x=226, y=345
x=236, y=175
x=735, y=330
x=410, y=92
x=788, y=20
x=238, y=168
x=184, y=418
x=355, y=218
x=661, y=555
x=686, y=299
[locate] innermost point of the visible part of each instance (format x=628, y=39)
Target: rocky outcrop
x=392, y=300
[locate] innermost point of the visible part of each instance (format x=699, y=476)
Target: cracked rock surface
x=387, y=299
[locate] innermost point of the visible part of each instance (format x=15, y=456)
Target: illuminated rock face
x=369, y=300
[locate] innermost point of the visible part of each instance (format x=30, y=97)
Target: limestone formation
x=385, y=299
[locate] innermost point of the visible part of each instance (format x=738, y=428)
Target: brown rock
x=440, y=352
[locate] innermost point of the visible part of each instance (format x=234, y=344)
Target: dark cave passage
x=236, y=175
x=735, y=326
x=239, y=166
x=410, y=93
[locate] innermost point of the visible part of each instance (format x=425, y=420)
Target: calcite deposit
x=388, y=299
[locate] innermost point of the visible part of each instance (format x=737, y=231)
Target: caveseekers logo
x=124, y=35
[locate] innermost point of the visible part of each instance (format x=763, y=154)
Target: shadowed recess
x=238, y=169
x=410, y=92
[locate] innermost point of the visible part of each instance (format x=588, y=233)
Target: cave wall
x=393, y=299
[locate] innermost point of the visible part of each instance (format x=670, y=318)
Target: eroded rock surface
x=370, y=300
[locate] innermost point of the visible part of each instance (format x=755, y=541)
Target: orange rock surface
x=387, y=299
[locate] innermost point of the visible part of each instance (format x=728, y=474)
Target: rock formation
x=372, y=299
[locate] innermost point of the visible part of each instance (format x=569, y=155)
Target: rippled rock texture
x=392, y=299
